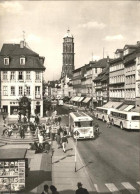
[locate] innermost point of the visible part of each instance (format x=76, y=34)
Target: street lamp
x=76, y=133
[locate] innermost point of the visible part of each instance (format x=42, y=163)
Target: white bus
x=81, y=124
x=125, y=120
x=102, y=113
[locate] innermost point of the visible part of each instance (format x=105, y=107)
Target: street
x=112, y=158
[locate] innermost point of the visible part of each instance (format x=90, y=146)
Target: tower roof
x=68, y=34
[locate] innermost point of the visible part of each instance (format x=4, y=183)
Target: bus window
x=77, y=124
x=135, y=117
x=83, y=124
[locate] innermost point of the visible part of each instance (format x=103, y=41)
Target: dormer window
x=6, y=61
x=126, y=51
x=22, y=61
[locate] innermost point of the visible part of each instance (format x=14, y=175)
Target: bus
x=102, y=113
x=60, y=102
x=125, y=120
x=81, y=125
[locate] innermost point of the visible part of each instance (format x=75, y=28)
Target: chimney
x=22, y=44
x=108, y=59
x=42, y=59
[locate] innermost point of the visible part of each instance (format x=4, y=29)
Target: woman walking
x=64, y=141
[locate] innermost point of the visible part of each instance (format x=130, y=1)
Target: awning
x=112, y=104
x=129, y=107
x=123, y=107
x=76, y=99
x=72, y=99
x=87, y=100
x=80, y=99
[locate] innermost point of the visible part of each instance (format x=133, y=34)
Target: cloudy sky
x=94, y=24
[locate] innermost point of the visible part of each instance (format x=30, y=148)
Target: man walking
x=80, y=189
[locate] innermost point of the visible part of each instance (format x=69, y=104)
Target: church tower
x=68, y=55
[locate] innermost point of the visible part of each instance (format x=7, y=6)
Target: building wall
x=11, y=100
x=138, y=81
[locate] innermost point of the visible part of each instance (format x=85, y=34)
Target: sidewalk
x=64, y=176
x=39, y=169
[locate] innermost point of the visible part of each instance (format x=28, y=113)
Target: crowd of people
x=53, y=189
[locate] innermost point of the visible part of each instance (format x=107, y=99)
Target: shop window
x=13, y=110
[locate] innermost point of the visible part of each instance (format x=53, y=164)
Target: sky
x=95, y=26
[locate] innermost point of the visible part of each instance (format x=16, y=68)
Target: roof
x=105, y=77
x=14, y=49
x=103, y=74
x=101, y=63
x=68, y=34
x=12, y=153
x=14, y=52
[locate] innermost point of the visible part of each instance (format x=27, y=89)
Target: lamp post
x=76, y=136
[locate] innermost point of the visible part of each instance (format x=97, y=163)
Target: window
x=20, y=75
x=37, y=75
x=5, y=90
x=4, y=75
x=28, y=75
x=12, y=76
x=22, y=61
x=95, y=70
x=12, y=91
x=20, y=91
x=136, y=118
x=28, y=90
x=37, y=90
x=6, y=61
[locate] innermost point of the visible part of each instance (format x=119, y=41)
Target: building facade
x=21, y=75
x=124, y=77
x=68, y=55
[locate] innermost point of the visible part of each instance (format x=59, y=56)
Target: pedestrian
x=41, y=140
x=58, y=140
x=46, y=189
x=64, y=141
x=37, y=120
x=53, y=189
x=59, y=120
x=80, y=189
x=96, y=128
x=64, y=130
x=5, y=130
x=10, y=131
x=108, y=125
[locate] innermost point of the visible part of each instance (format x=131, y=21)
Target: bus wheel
x=112, y=122
x=103, y=119
x=121, y=126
